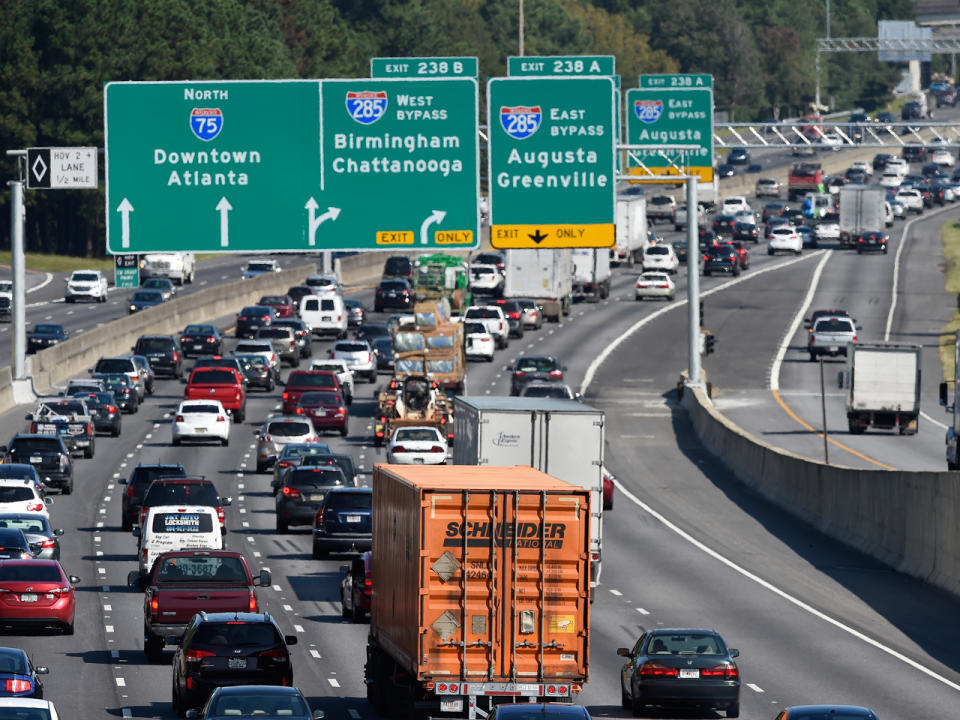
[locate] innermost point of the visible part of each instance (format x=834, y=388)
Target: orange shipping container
x=481, y=587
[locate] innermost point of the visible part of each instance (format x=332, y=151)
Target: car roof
x=849, y=709
x=237, y=616
x=22, y=702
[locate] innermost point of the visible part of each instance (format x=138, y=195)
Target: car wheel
x=624, y=698
x=489, y=358
x=68, y=488
x=153, y=648
x=769, y=252
x=282, y=527
x=343, y=431
x=126, y=524
x=373, y=376
x=813, y=357
x=68, y=628
x=638, y=298
x=319, y=554
x=175, y=442
x=225, y=441
x=261, y=468
x=733, y=710
x=637, y=708
x=89, y=451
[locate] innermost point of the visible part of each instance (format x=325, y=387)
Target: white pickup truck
x=178, y=266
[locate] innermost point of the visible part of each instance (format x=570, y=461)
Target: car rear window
x=546, y=391
x=684, y=644
x=114, y=365
x=315, y=477
x=185, y=522
x=394, y=284
x=180, y=493
x=236, y=634
x=475, y=328
x=16, y=493
x=64, y=407
x=311, y=380
x=351, y=500
x=273, y=332
x=327, y=304
x=833, y=326
x=24, y=446
x=418, y=434
x=350, y=347
x=289, y=428
x=657, y=250
x=201, y=409
x=213, y=377
x=344, y=462
x=397, y=266
x=535, y=364
x=29, y=573
x=27, y=524
x=321, y=398
x=211, y=568
x=199, y=330
x=148, y=345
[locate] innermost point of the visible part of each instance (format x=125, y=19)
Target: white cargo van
x=324, y=314
x=177, y=527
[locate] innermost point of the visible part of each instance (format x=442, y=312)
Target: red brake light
x=178, y=418
x=318, y=518
x=16, y=685
x=437, y=448
x=277, y=655
x=35, y=507
x=520, y=373
x=221, y=418
x=728, y=671
x=654, y=669
x=556, y=373
x=113, y=409
x=399, y=449
x=154, y=604
x=193, y=655
x=291, y=492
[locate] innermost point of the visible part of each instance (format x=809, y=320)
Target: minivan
x=326, y=315
x=177, y=527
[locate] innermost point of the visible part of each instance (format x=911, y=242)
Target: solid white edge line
x=781, y=593
x=608, y=350
x=935, y=422
x=46, y=281
x=774, y=381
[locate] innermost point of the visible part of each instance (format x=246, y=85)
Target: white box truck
x=630, y=229
x=178, y=266
x=591, y=274
x=563, y=438
x=861, y=210
x=883, y=387
x=542, y=275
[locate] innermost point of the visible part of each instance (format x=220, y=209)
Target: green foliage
x=55, y=57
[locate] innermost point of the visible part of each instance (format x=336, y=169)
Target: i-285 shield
x=649, y=111
x=520, y=122
x=366, y=107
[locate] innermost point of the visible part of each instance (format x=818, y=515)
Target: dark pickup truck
x=185, y=582
x=70, y=419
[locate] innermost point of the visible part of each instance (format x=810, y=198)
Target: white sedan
x=417, y=446
x=201, y=420
x=942, y=156
x=911, y=199
x=478, y=342
x=827, y=231
x=655, y=285
x=784, y=238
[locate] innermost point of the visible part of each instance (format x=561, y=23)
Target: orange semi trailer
x=481, y=589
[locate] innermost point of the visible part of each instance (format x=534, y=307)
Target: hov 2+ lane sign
x=672, y=110
x=61, y=168
x=551, y=161
x=249, y=166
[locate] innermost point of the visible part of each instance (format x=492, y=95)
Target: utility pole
x=520, y=26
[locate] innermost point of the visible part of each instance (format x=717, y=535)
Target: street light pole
x=520, y=28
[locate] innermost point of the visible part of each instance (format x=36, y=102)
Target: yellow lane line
x=810, y=428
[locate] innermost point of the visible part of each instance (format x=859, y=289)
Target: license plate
x=237, y=663
x=353, y=518
x=326, y=318
x=28, y=598
x=418, y=461
x=451, y=705
x=317, y=497
x=201, y=430
x=36, y=459
x=834, y=348
x=689, y=673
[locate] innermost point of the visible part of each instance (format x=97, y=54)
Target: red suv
x=282, y=305
x=219, y=383
x=301, y=381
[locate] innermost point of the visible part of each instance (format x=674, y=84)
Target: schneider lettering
x=526, y=535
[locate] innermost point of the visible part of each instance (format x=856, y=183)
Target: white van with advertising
x=324, y=314
x=177, y=527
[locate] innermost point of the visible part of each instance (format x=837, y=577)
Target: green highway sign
x=249, y=166
x=424, y=67
x=552, y=143
x=671, y=116
x=561, y=65
x=688, y=80
x=126, y=271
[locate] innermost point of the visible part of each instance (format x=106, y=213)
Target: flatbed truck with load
x=415, y=400
x=883, y=387
x=480, y=590
x=443, y=276
x=803, y=178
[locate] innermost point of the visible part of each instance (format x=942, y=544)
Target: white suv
x=660, y=257
x=493, y=319
x=911, y=199
x=86, y=285
x=784, y=238
x=734, y=204
x=359, y=357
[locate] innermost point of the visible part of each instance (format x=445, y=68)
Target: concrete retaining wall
x=907, y=520
x=54, y=365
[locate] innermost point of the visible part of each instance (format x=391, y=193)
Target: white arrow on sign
x=314, y=221
x=125, y=208
x=224, y=207
x=436, y=216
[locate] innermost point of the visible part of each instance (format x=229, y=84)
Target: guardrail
x=907, y=520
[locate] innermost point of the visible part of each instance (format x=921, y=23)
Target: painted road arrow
x=224, y=207
x=315, y=220
x=437, y=217
x=125, y=208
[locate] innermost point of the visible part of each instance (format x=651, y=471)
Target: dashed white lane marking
x=256, y=553
x=239, y=486
x=287, y=608
x=97, y=538
x=797, y=602
x=130, y=455
x=277, y=588
x=615, y=592
x=99, y=553
x=315, y=654
x=108, y=628
x=298, y=628
x=755, y=688
x=642, y=611
x=245, y=524
x=333, y=682
x=102, y=571
x=243, y=511
x=121, y=682
x=107, y=608
x=100, y=523
x=250, y=539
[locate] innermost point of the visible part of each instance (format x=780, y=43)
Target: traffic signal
x=709, y=341
x=701, y=313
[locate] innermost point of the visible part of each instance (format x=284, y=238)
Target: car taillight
x=241, y=317
x=17, y=685
x=369, y=357
x=341, y=411
x=556, y=373
x=220, y=515
x=284, y=464
x=854, y=338
x=318, y=518
x=143, y=516
x=34, y=507
x=727, y=671
x=111, y=409
x=514, y=315
x=252, y=602
x=154, y=604
x=144, y=554
x=197, y=655
x=291, y=492
x=520, y=373
x=273, y=358
x=33, y=427
x=654, y=669
x=277, y=655
x=48, y=543
x=399, y=449
x=178, y=418
x=221, y=418
x=285, y=395
x=437, y=448
x=236, y=394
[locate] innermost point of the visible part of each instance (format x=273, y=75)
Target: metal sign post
x=693, y=284
x=17, y=262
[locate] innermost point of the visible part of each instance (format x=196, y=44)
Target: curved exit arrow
x=314, y=220
x=437, y=217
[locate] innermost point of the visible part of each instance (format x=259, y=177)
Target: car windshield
x=84, y=277
x=829, y=714
x=684, y=644
x=44, y=329
x=834, y=326
x=161, y=283
x=149, y=345
x=657, y=250
x=350, y=501
x=660, y=200
x=535, y=364
x=62, y=407
x=203, y=569
x=29, y=573
x=259, y=267
x=552, y=390
x=196, y=408
x=258, y=705
x=147, y=296
x=289, y=428
x=114, y=380
x=180, y=493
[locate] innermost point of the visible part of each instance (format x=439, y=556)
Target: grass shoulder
x=950, y=240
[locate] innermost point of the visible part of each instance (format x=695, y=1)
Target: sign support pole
x=693, y=282
x=17, y=262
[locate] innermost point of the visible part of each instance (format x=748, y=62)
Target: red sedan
x=37, y=592
x=282, y=304
x=326, y=410
x=743, y=255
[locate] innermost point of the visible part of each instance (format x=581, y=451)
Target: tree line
x=55, y=58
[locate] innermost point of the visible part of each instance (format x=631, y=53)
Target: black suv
x=47, y=454
x=104, y=411
x=252, y=318
x=140, y=479
x=201, y=340
x=162, y=352
x=301, y=492
x=229, y=649
x=343, y=522
x=398, y=266
x=721, y=258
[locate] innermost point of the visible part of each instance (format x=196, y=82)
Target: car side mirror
x=192, y=714
x=264, y=579
x=624, y=652
x=122, y=481
x=136, y=532
x=74, y=579
x=48, y=501
x=734, y=652
x=41, y=670
x=28, y=416
x=226, y=502
x=290, y=639
x=58, y=532
x=135, y=581
x=256, y=432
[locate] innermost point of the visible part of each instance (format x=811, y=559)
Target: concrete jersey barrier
x=907, y=520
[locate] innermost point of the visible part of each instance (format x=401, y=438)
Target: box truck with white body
x=861, y=210
x=630, y=229
x=563, y=438
x=883, y=387
x=591, y=274
x=543, y=275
